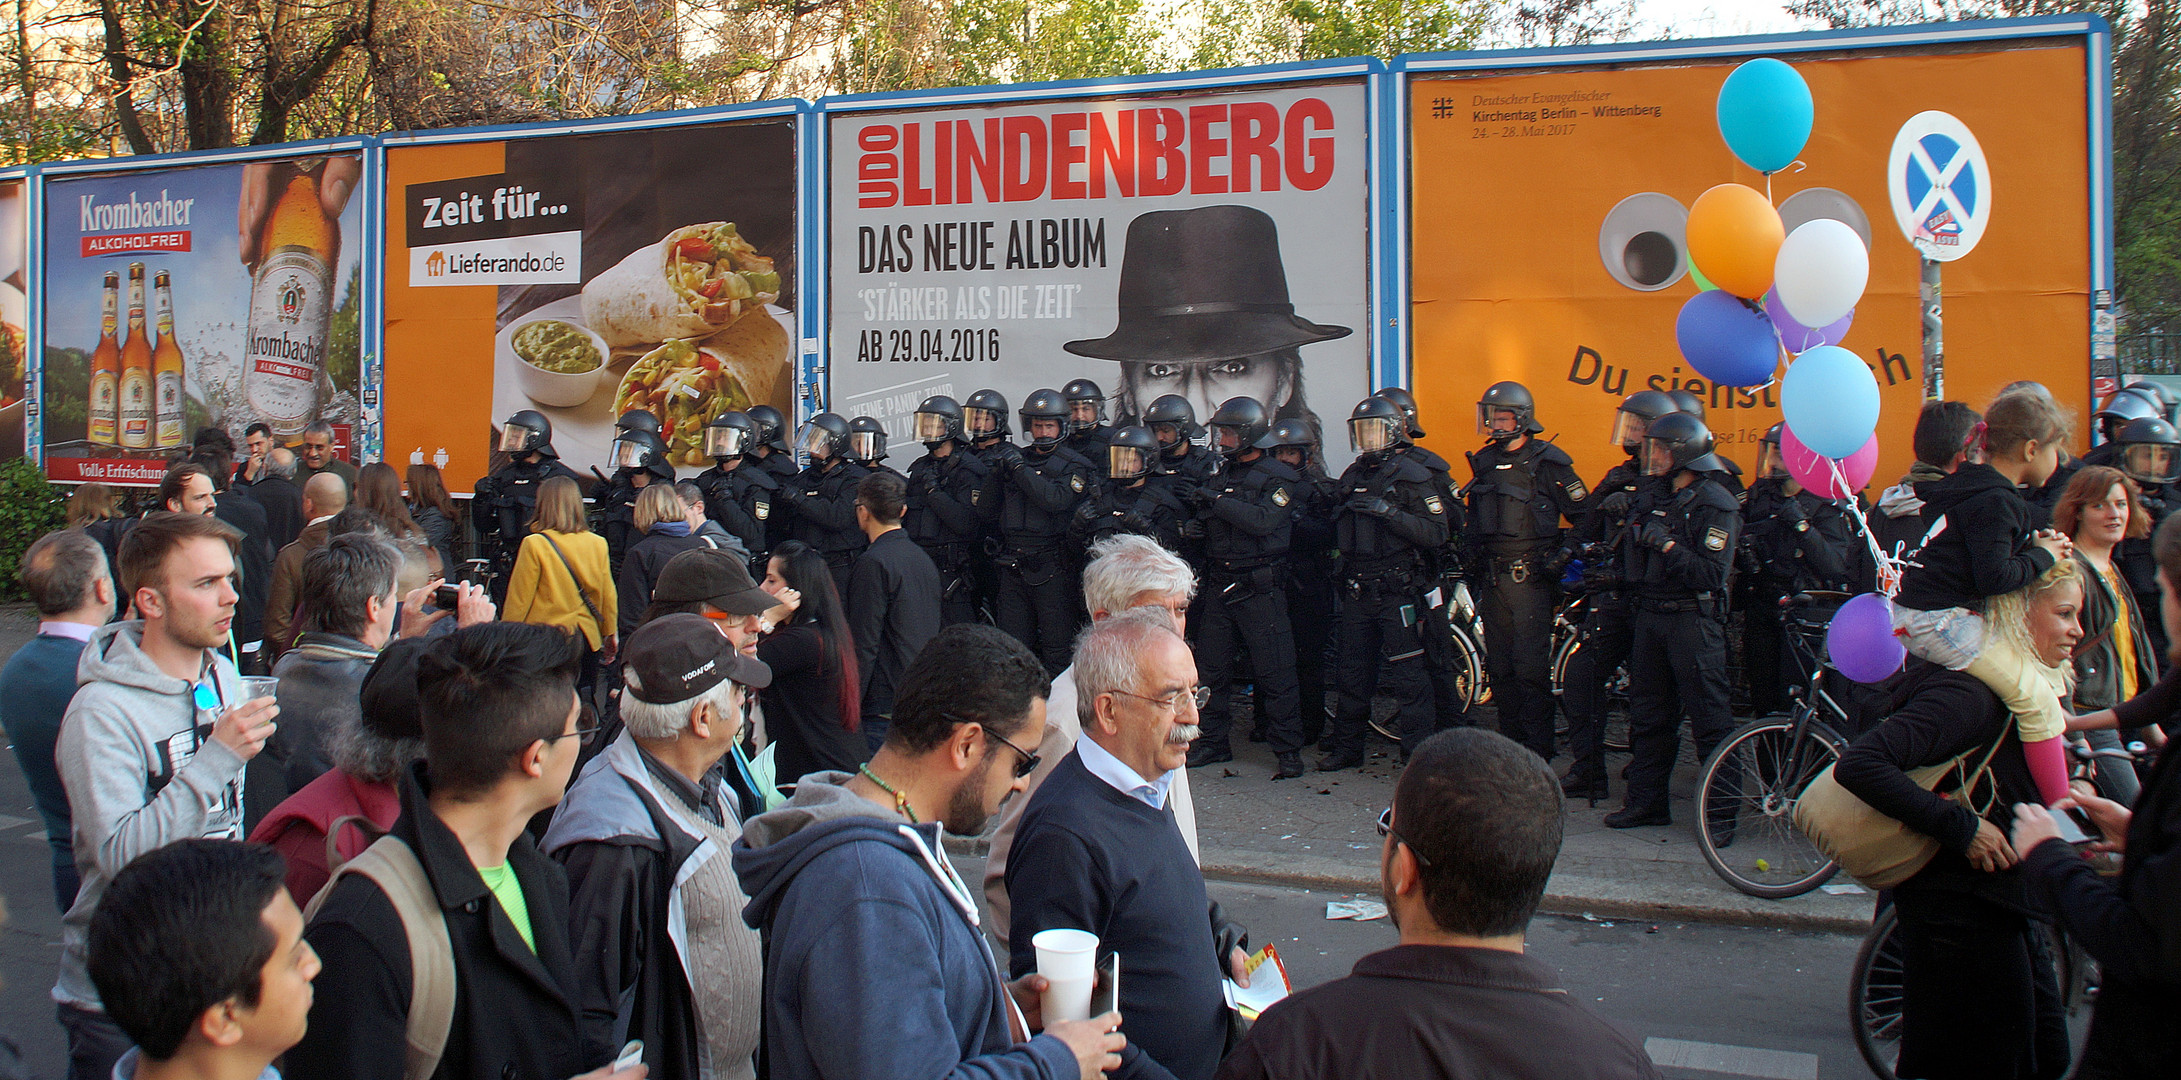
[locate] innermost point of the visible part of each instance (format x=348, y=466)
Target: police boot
x=1201, y=755
x=1576, y=785
x=1291, y=766
x=1629, y=817
x=1340, y=759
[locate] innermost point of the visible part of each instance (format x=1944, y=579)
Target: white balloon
x=1821, y=271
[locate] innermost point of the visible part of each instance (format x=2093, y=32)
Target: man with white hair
x=1125, y=571
x=662, y=953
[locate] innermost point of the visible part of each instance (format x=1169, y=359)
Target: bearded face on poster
x=1204, y=313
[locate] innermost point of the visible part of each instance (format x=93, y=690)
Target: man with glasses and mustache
x=1098, y=850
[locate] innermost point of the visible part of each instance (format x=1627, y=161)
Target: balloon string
x=1889, y=567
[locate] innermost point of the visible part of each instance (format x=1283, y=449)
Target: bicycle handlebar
x=1813, y=596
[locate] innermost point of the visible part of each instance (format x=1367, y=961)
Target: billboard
x=211, y=295
x=1548, y=205
x=1209, y=243
x=583, y=273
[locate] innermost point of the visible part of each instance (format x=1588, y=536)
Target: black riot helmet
x=1291, y=440
x=2150, y=450
x=772, y=428
x=526, y=431
x=984, y=415
x=938, y=420
x=642, y=451
x=1045, y=404
x=824, y=437
x=1769, y=462
x=1634, y=416
x=866, y=440
x=1174, y=411
x=1687, y=401
x=1081, y=392
x=2124, y=407
x=637, y=420
x=1376, y=427
x=729, y=435
x=1678, y=441
x=1406, y=402
x=1507, y=397
x=1131, y=453
x=2166, y=397
x=1237, y=426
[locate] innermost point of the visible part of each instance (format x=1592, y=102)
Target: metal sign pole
x=1934, y=331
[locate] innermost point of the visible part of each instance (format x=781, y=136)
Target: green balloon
x=1703, y=284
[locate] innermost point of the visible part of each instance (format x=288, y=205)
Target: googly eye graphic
x=1644, y=241
x=1806, y=206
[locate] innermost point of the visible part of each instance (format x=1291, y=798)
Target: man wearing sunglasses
x=1097, y=849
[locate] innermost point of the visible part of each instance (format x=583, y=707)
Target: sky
x=1715, y=18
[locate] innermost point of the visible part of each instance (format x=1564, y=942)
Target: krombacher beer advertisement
x=14, y=314
x=212, y=295
x=1206, y=245
x=582, y=276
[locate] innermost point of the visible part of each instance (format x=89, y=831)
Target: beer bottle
x=136, y=406
x=166, y=376
x=103, y=406
x=291, y=302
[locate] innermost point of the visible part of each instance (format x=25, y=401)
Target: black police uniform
x=511, y=494
x=1386, y=554
x=1439, y=650
x=1789, y=544
x=1515, y=504
x=1248, y=515
x=2137, y=564
x=1091, y=442
x=1039, y=491
x=741, y=499
x=614, y=502
x=946, y=518
x=824, y=498
x=984, y=561
x=1312, y=575
x=1598, y=537
x=1196, y=464
x=1677, y=664
x=1149, y=505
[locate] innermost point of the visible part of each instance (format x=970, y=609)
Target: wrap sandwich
x=692, y=284
x=686, y=383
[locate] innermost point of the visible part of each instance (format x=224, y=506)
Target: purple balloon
x=1861, y=640
x=1727, y=339
x=1797, y=337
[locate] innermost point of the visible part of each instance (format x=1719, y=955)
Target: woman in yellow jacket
x=542, y=589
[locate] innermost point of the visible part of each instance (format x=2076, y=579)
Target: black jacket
x=893, y=611
x=514, y=1009
x=1149, y=506
x=1039, y=492
x=253, y=558
x=640, y=569
x=947, y=501
x=1702, y=519
x=1983, y=551
x=1404, y=537
x=2097, y=661
x=824, y=498
x=741, y=500
x=282, y=502
x=1795, y=542
x=1438, y=1012
x=1249, y=516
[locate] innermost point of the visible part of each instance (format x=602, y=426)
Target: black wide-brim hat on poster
x=1203, y=284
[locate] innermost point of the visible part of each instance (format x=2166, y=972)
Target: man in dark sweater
x=1470, y=839
x=892, y=601
x=65, y=574
x=1097, y=849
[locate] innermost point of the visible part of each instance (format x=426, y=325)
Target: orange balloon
x=1735, y=237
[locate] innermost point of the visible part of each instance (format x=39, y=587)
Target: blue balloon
x=1727, y=339
x=1830, y=398
x=1765, y=114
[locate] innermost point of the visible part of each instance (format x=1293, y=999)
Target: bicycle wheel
x=1745, y=797
x=1616, y=696
x=1874, y=996
x=1468, y=683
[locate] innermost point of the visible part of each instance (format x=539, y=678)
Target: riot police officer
x=1730, y=475
x=1039, y=487
x=1248, y=514
x=1173, y=422
x=1596, y=540
x=613, y=500
x=1439, y=647
x=1137, y=496
x=1792, y=541
x=985, y=417
x=867, y=445
x=1311, y=571
x=772, y=449
x=1087, y=429
x=1521, y=487
x=824, y=496
x=2120, y=408
x=2150, y=453
x=509, y=496
x=945, y=518
x=738, y=493
x=1390, y=522
x=1677, y=553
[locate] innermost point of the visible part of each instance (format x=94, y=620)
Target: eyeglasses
x=1385, y=828
x=587, y=725
x=1025, y=767
x=1200, y=696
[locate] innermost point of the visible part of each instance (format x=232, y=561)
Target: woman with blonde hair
x=561, y=578
x=664, y=522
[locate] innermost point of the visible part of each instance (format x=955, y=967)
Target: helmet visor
x=1124, y=462
x=1498, y=419
x=726, y=442
x=1628, y=428
x=515, y=437
x=815, y=441
x=1370, y=434
x=933, y=427
x=1085, y=413
x=1658, y=457
x=1226, y=439
x=1168, y=436
x=2150, y=463
x=981, y=422
x=629, y=455
x=866, y=445
x=1770, y=463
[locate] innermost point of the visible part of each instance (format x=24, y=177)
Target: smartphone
x=632, y=1055
x=1106, y=992
x=2075, y=827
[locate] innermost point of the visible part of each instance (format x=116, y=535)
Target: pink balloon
x=1812, y=470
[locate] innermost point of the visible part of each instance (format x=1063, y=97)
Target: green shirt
x=507, y=889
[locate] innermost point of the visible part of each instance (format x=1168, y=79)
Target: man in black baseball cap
x=713, y=583
x=644, y=835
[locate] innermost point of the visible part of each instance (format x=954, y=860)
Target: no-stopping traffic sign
x=1941, y=186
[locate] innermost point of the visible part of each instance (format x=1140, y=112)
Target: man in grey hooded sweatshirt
x=153, y=746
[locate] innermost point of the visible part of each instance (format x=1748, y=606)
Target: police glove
x=1136, y=523
x=1011, y=458
x=1654, y=535
x=1192, y=529
x=1617, y=503
x=1202, y=497
x=1375, y=506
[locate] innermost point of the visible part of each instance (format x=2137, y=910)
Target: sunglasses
x=1025, y=767
x=1385, y=828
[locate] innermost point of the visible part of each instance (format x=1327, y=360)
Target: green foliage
x=344, y=339
x=29, y=509
x=67, y=378
x=1384, y=28
x=1050, y=40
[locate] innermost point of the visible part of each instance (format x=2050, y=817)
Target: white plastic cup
x=259, y=686
x=1068, y=960
x=1067, y=999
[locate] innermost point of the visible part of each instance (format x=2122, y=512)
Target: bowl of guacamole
x=557, y=362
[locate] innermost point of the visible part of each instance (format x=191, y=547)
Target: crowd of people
x=661, y=783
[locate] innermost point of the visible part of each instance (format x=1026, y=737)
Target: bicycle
x=1747, y=790
x=1567, y=641
x=1470, y=681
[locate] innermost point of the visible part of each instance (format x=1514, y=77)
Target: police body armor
x=1091, y=443
x=1197, y=466
x=1152, y=508
x=825, y=516
x=742, y=500
x=1791, y=543
x=1040, y=495
x=1703, y=520
x=946, y=516
x=1512, y=502
x=1393, y=551
x=1249, y=523
x=1600, y=534
x=614, y=506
